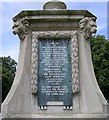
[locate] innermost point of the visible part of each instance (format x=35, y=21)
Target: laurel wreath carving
x=75, y=63
x=74, y=56
x=34, y=64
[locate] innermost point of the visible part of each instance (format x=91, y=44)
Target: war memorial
x=55, y=76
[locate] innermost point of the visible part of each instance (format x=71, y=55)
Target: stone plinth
x=77, y=25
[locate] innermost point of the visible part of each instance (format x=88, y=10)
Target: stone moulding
x=74, y=56
x=75, y=62
x=34, y=64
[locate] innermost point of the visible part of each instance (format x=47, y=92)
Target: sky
x=9, y=8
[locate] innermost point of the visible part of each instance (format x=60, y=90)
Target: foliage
x=8, y=74
x=100, y=58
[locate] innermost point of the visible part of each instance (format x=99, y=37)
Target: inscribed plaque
x=54, y=71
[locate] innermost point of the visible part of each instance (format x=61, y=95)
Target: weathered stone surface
x=20, y=28
x=89, y=26
x=55, y=4
x=88, y=100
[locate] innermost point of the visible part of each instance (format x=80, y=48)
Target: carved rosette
x=75, y=63
x=88, y=26
x=20, y=27
x=74, y=57
x=34, y=62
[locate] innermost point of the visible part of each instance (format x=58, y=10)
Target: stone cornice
x=54, y=13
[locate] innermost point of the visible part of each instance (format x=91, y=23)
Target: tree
x=100, y=58
x=8, y=74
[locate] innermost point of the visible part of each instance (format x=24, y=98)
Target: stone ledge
x=53, y=12
x=54, y=119
x=74, y=116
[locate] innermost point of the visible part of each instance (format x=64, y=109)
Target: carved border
x=74, y=56
x=75, y=62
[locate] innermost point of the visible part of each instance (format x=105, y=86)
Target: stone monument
x=55, y=76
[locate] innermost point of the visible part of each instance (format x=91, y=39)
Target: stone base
x=57, y=116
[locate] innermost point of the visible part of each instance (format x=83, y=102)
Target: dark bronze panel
x=54, y=71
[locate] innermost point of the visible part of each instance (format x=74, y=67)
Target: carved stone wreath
x=75, y=62
x=74, y=55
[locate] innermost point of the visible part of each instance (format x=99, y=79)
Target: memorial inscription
x=54, y=76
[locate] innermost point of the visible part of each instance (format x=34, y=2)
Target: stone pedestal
x=55, y=21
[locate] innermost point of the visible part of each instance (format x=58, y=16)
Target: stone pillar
x=88, y=82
